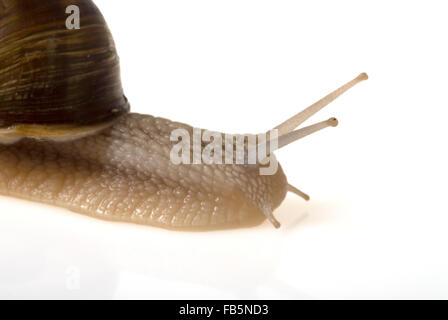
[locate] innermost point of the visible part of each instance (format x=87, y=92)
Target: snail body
x=67, y=136
x=124, y=173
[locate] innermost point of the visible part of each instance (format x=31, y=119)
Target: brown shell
x=50, y=75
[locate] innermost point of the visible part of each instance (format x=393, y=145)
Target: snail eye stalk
x=287, y=135
x=305, y=114
x=293, y=136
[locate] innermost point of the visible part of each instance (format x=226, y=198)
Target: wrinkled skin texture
x=124, y=173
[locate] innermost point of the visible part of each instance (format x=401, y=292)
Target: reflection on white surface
x=324, y=250
x=66, y=255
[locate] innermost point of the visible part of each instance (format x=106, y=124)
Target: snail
x=68, y=138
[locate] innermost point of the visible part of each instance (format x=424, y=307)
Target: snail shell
x=56, y=82
x=67, y=137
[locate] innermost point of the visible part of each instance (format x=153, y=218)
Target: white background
x=377, y=223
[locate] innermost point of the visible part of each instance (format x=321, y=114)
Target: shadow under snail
x=67, y=137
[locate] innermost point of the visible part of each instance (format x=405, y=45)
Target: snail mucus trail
x=69, y=140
